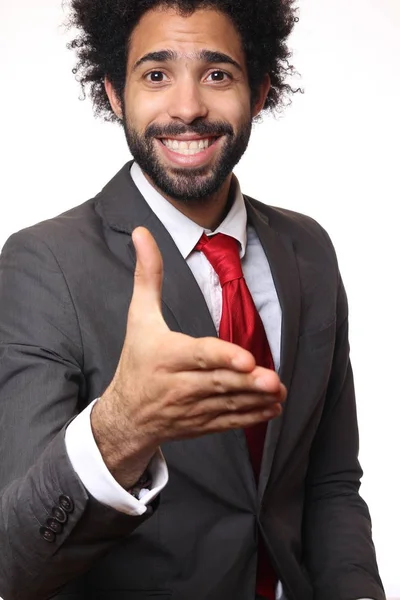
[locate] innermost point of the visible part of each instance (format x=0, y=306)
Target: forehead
x=165, y=29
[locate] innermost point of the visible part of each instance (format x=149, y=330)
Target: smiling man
x=187, y=107
x=195, y=439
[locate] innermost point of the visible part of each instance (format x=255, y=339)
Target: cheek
x=237, y=115
x=233, y=107
x=143, y=108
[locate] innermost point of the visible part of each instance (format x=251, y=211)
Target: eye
x=218, y=76
x=155, y=77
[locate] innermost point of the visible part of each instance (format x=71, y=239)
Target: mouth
x=188, y=147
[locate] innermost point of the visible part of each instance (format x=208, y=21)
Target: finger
x=187, y=354
x=146, y=298
x=240, y=420
x=233, y=404
x=199, y=384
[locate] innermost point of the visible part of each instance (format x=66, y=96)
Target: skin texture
x=168, y=385
x=187, y=93
x=103, y=29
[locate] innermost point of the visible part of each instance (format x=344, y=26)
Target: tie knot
x=222, y=252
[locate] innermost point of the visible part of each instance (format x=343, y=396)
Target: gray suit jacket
x=65, y=288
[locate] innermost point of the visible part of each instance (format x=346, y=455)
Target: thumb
x=146, y=297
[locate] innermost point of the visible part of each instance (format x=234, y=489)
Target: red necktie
x=242, y=325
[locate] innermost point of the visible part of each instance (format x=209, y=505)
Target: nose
x=187, y=102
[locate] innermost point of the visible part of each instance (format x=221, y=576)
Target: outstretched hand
x=171, y=386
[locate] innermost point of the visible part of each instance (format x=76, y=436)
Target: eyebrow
x=208, y=56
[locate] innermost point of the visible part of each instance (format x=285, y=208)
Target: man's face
x=186, y=106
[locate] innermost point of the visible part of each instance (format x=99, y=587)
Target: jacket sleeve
x=337, y=526
x=51, y=529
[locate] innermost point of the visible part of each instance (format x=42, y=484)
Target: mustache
x=201, y=127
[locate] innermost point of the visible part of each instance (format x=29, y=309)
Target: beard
x=188, y=184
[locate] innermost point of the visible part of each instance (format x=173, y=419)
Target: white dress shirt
x=81, y=446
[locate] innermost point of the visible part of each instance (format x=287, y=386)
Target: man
x=250, y=496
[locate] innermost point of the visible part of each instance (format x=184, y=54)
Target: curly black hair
x=105, y=28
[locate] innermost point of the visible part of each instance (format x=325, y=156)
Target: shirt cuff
x=88, y=464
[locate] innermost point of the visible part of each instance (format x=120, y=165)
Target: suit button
x=47, y=534
x=54, y=525
x=59, y=514
x=66, y=503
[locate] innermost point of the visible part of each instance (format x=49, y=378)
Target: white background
x=333, y=155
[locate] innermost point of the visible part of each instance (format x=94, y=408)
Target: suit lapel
x=124, y=209
x=281, y=257
x=184, y=306
x=122, y=206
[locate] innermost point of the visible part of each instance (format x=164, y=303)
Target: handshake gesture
x=171, y=386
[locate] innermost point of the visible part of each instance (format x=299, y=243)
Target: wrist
x=125, y=454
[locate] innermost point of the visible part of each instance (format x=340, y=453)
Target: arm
x=339, y=551
x=42, y=388
x=88, y=463
x=167, y=386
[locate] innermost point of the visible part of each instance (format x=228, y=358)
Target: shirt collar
x=183, y=230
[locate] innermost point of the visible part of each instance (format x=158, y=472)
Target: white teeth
x=187, y=148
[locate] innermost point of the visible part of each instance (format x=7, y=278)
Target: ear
x=114, y=99
x=262, y=96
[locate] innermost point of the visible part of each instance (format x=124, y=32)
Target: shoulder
x=310, y=241
x=297, y=226
x=80, y=229
x=64, y=237
x=68, y=226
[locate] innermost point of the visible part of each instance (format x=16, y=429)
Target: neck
x=208, y=212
